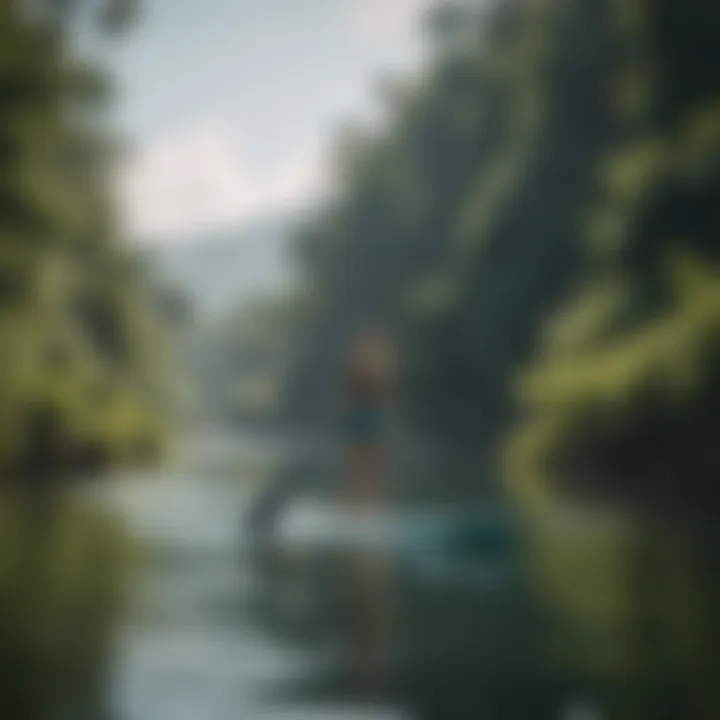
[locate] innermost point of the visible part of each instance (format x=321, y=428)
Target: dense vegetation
x=78, y=360
x=623, y=395
x=461, y=225
x=621, y=404
x=561, y=148
x=539, y=224
x=79, y=383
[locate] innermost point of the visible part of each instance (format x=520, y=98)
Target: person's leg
x=372, y=574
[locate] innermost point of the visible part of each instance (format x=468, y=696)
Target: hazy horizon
x=228, y=129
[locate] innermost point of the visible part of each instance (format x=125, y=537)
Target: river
x=188, y=649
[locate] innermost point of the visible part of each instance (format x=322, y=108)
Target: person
x=369, y=386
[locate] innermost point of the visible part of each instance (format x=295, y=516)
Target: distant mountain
x=222, y=268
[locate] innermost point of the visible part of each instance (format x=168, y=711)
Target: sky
x=231, y=105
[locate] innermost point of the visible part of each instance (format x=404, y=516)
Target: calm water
x=189, y=650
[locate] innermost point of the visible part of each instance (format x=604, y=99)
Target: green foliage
x=575, y=154
x=404, y=208
x=80, y=380
x=462, y=225
x=79, y=376
x=60, y=593
x=628, y=378
x=614, y=465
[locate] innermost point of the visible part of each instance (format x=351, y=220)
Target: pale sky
x=232, y=104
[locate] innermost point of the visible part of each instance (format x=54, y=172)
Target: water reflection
x=189, y=647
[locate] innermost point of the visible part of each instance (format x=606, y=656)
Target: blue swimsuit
x=367, y=424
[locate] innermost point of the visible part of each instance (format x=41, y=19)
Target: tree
x=518, y=233
x=628, y=372
x=74, y=315
x=78, y=373
x=621, y=403
x=394, y=221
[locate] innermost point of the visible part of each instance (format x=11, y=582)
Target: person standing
x=370, y=391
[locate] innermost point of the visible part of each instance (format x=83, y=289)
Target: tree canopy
x=79, y=383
